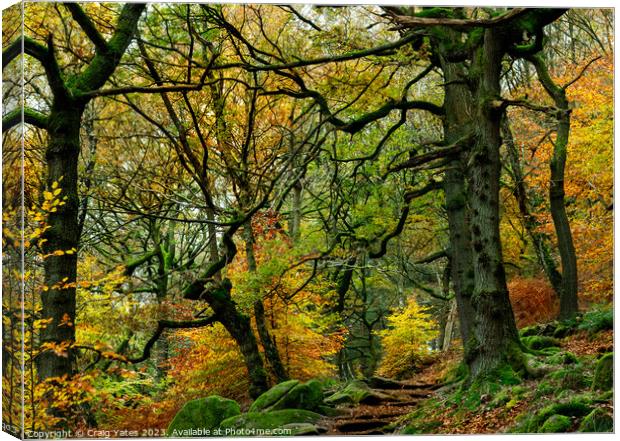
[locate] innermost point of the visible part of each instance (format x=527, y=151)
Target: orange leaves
x=589, y=171
x=533, y=301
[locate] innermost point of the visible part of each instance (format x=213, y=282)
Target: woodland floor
x=392, y=413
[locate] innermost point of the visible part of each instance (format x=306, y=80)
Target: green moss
x=544, y=388
x=421, y=427
x=457, y=373
x=538, y=342
x=307, y=396
x=562, y=358
x=599, y=420
x=204, y=413
x=528, y=331
x=270, y=420
x=576, y=407
x=556, y=424
x=353, y=393
x=268, y=399
x=604, y=373
x=597, y=320
x=436, y=13
x=571, y=378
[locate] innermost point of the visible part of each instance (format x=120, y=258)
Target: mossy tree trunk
x=495, y=338
x=457, y=124
x=70, y=95
x=58, y=301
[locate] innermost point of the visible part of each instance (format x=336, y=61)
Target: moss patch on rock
x=353, y=393
x=599, y=420
x=290, y=395
x=576, y=407
x=556, y=424
x=604, y=373
x=270, y=420
x=203, y=413
x=538, y=342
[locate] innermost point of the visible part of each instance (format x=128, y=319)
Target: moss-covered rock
x=354, y=392
x=258, y=423
x=273, y=395
x=562, y=330
x=604, y=373
x=576, y=407
x=538, y=342
x=571, y=378
x=563, y=358
x=599, y=420
x=290, y=395
x=203, y=413
x=301, y=429
x=556, y=424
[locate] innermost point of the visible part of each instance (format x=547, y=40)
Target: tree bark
x=457, y=123
x=240, y=328
x=495, y=338
x=58, y=302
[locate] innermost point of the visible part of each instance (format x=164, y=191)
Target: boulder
x=272, y=396
x=538, y=342
x=599, y=420
x=353, y=393
x=303, y=429
x=203, y=413
x=604, y=373
x=556, y=424
x=290, y=395
x=263, y=423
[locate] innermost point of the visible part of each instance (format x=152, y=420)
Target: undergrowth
x=573, y=393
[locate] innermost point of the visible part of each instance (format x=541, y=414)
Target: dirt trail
x=389, y=401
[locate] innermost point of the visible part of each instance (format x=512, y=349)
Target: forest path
x=388, y=401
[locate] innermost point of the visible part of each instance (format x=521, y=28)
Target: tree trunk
x=343, y=277
x=495, y=340
x=271, y=351
x=457, y=123
x=58, y=301
x=539, y=240
x=447, y=335
x=569, y=305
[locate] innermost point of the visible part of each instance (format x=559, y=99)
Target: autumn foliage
x=406, y=341
x=533, y=301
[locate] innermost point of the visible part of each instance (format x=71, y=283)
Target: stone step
x=361, y=425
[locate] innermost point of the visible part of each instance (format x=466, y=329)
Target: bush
x=406, y=341
x=533, y=301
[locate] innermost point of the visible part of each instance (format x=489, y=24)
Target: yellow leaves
x=60, y=349
x=406, y=341
x=60, y=253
